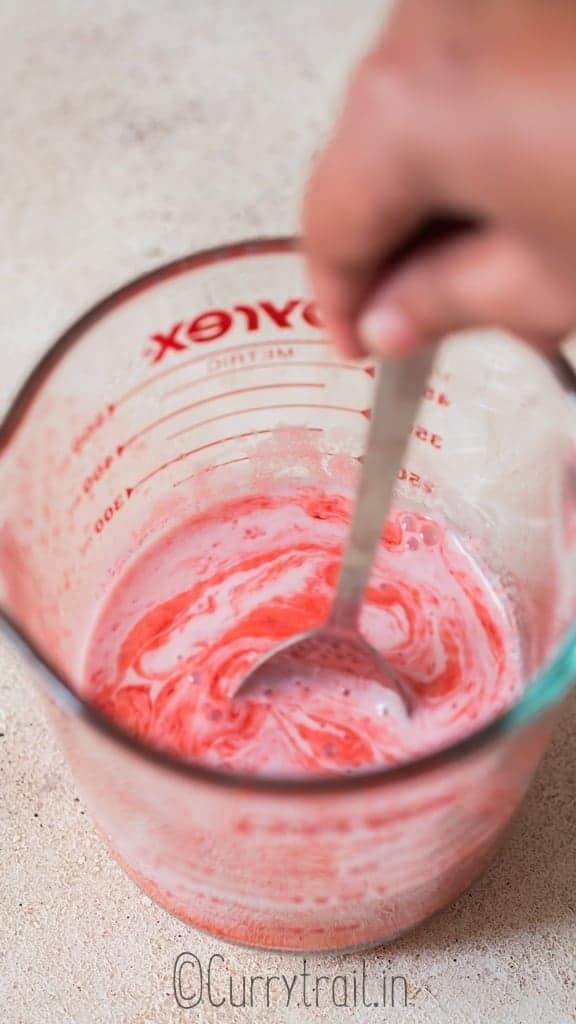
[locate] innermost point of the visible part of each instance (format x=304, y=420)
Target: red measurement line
x=369, y=370
x=203, y=448
x=211, y=355
x=219, y=465
x=245, y=458
x=267, y=408
x=75, y=504
x=193, y=451
x=205, y=401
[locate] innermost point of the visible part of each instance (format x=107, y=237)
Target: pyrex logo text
x=213, y=324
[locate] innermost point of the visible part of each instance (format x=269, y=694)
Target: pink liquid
x=190, y=616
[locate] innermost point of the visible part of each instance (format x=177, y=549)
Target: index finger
x=362, y=200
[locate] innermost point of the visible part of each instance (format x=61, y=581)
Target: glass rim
x=544, y=691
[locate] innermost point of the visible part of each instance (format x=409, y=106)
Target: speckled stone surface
x=132, y=133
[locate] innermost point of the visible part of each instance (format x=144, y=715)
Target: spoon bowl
x=322, y=656
x=337, y=649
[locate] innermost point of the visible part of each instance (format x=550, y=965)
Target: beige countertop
x=131, y=134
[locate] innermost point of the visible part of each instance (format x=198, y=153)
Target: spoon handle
x=399, y=387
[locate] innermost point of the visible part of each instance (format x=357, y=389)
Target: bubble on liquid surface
x=429, y=534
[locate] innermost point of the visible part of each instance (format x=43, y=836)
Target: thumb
x=480, y=279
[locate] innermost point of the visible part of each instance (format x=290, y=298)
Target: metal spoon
x=338, y=645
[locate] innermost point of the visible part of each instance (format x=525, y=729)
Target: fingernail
x=386, y=331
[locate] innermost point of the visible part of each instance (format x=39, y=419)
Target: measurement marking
x=245, y=458
x=63, y=465
x=260, y=366
x=415, y=480
x=193, y=451
x=77, y=501
x=86, y=545
x=438, y=397
x=205, y=401
x=219, y=465
x=88, y=431
x=211, y=355
x=267, y=408
x=424, y=434
x=202, y=448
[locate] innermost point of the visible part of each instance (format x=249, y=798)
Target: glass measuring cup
x=199, y=382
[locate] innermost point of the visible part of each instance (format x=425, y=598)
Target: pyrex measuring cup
x=207, y=379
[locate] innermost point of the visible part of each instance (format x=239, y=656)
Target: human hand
x=463, y=110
